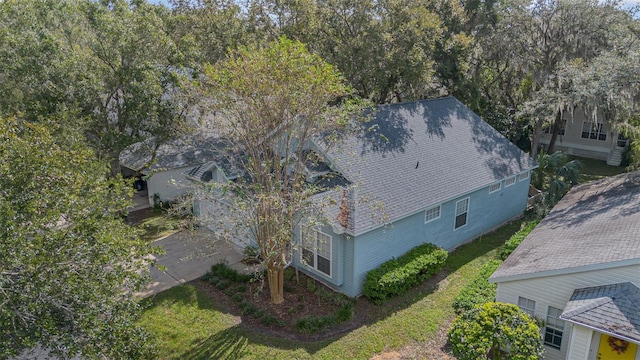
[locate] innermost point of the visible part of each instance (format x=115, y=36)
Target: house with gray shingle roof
x=429, y=171
x=579, y=271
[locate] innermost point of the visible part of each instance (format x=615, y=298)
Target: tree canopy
x=270, y=103
x=68, y=263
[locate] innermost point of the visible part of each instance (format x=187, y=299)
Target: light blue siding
x=486, y=212
x=339, y=248
x=353, y=257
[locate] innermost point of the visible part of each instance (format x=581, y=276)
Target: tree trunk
x=275, y=275
x=535, y=141
x=557, y=125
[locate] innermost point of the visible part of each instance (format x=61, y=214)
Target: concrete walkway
x=189, y=255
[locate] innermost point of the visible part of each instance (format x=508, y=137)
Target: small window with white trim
x=493, y=188
x=462, y=210
x=316, y=250
x=510, y=181
x=527, y=305
x=524, y=176
x=554, y=328
x=432, y=214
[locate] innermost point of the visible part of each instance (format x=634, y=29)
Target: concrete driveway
x=189, y=255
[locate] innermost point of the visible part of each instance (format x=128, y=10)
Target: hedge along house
x=430, y=171
x=579, y=271
x=583, y=135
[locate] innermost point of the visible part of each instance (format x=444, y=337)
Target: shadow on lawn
x=238, y=341
x=228, y=344
x=232, y=342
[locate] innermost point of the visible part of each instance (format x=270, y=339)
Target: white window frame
x=594, y=131
x=493, y=188
x=527, y=305
x=458, y=213
x=524, y=176
x=315, y=251
x=427, y=212
x=509, y=181
x=554, y=327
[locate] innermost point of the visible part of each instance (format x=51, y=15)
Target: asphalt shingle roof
x=596, y=225
x=416, y=154
x=613, y=309
x=174, y=154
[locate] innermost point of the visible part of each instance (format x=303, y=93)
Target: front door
x=612, y=348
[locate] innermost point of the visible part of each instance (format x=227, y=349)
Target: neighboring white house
x=580, y=135
x=579, y=271
x=164, y=167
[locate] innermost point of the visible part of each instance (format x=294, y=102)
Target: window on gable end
x=510, y=181
x=432, y=214
x=527, y=305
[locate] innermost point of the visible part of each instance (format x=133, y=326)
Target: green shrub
x=479, y=290
x=224, y=272
x=269, y=319
x=315, y=324
x=516, y=239
x=248, y=308
x=237, y=297
x=396, y=276
x=223, y=284
x=495, y=331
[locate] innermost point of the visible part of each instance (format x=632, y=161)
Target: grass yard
x=188, y=325
x=597, y=169
x=155, y=223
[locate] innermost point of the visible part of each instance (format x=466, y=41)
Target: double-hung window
x=554, y=329
x=316, y=250
x=462, y=210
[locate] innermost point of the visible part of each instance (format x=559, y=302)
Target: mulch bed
x=306, y=298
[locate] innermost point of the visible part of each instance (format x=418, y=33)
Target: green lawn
x=597, y=169
x=187, y=325
x=159, y=224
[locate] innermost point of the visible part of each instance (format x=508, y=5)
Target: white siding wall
x=580, y=343
x=168, y=184
x=557, y=290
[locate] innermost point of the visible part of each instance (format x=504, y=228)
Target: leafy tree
x=43, y=70
x=270, y=103
x=68, y=263
x=136, y=71
x=541, y=39
x=111, y=63
x=495, y=331
x=555, y=175
x=206, y=30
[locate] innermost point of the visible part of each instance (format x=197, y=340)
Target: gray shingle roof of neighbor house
x=613, y=309
x=595, y=226
x=174, y=154
x=417, y=154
